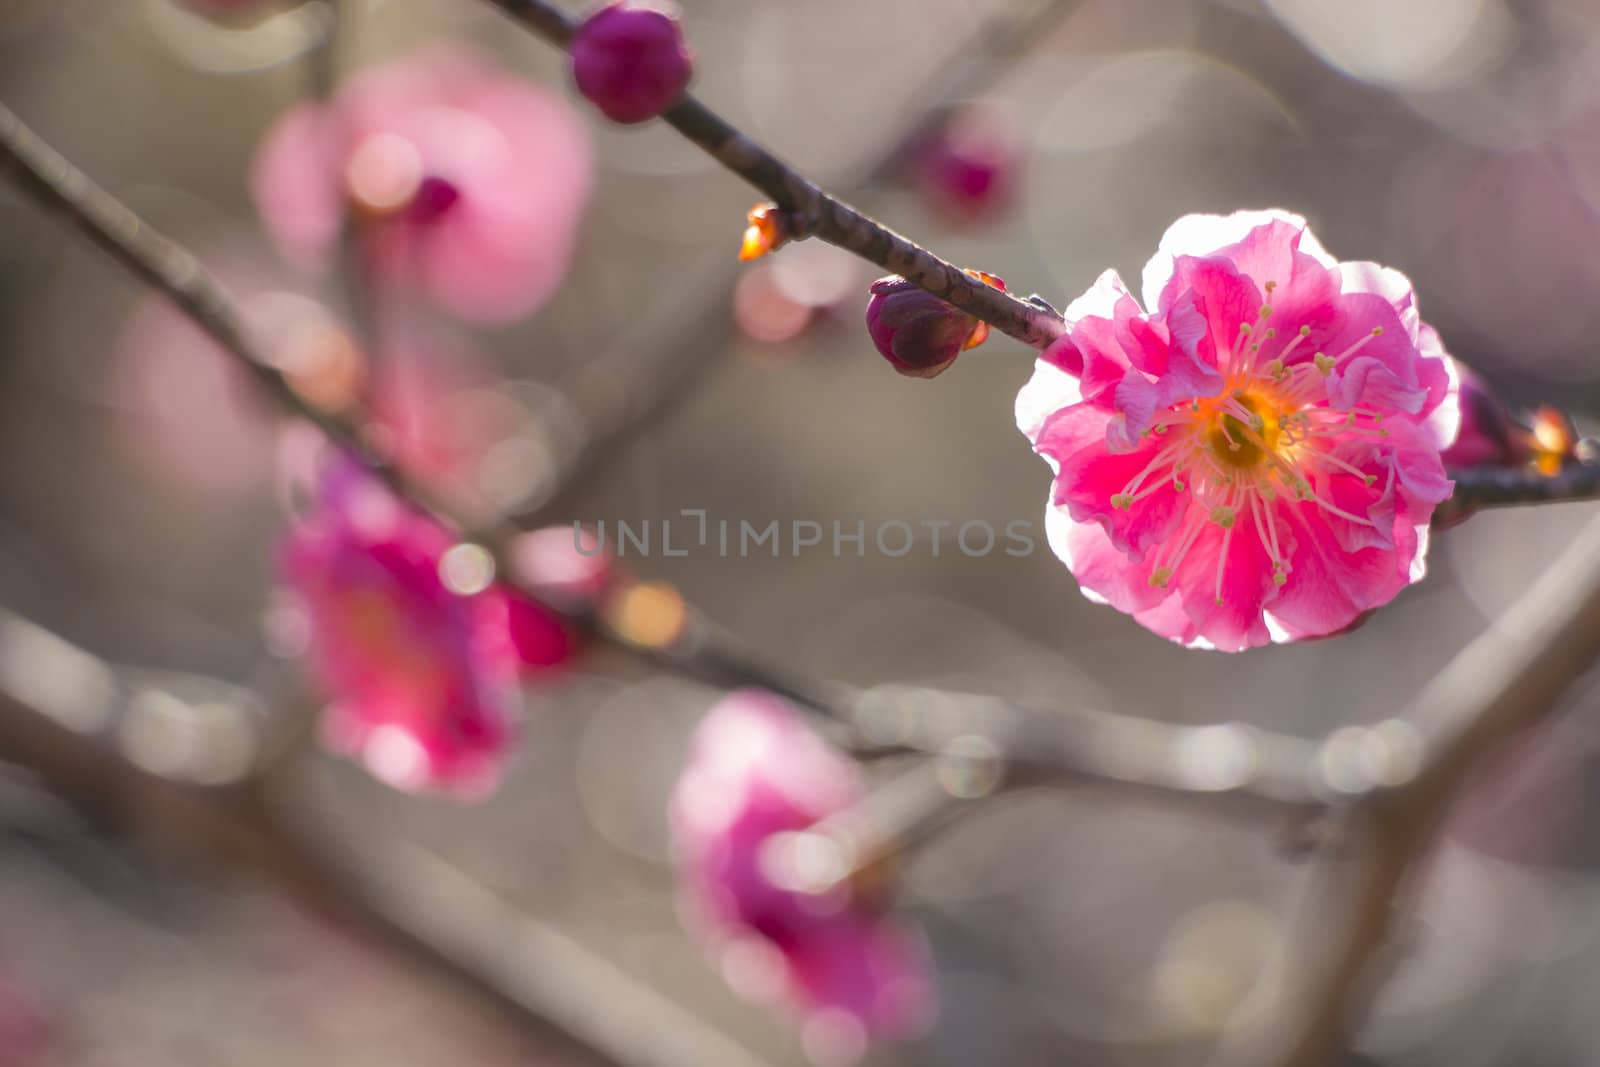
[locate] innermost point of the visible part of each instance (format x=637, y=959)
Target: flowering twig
x=814, y=212
x=1506, y=679
x=656, y=356
x=700, y=649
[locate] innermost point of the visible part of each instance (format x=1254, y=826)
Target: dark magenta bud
x=630, y=61
x=1488, y=435
x=919, y=334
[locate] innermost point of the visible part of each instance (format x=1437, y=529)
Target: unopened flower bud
x=918, y=333
x=630, y=61
x=1488, y=435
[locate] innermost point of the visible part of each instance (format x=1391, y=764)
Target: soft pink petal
x=1090, y=475
x=1106, y=572
x=1203, y=235
x=1226, y=297
x=1232, y=622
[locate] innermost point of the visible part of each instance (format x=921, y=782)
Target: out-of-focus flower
x=919, y=334
x=630, y=61
x=188, y=408
x=1488, y=435
x=568, y=568
x=423, y=406
x=1257, y=457
x=415, y=690
x=969, y=169
x=470, y=183
x=756, y=778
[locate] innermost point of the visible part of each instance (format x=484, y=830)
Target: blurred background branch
x=1502, y=683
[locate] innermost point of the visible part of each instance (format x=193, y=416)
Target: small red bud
x=630, y=61
x=918, y=333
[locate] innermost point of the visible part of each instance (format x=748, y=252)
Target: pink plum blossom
x=757, y=776
x=471, y=182
x=419, y=688
x=1257, y=456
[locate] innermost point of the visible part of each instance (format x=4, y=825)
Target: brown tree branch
x=817, y=213
x=1503, y=487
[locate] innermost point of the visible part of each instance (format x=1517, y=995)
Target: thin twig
x=818, y=214
x=1503, y=487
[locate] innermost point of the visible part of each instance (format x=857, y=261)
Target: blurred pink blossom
x=565, y=566
x=472, y=182
x=419, y=690
x=189, y=409
x=756, y=773
x=1256, y=458
x=430, y=398
x=970, y=168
